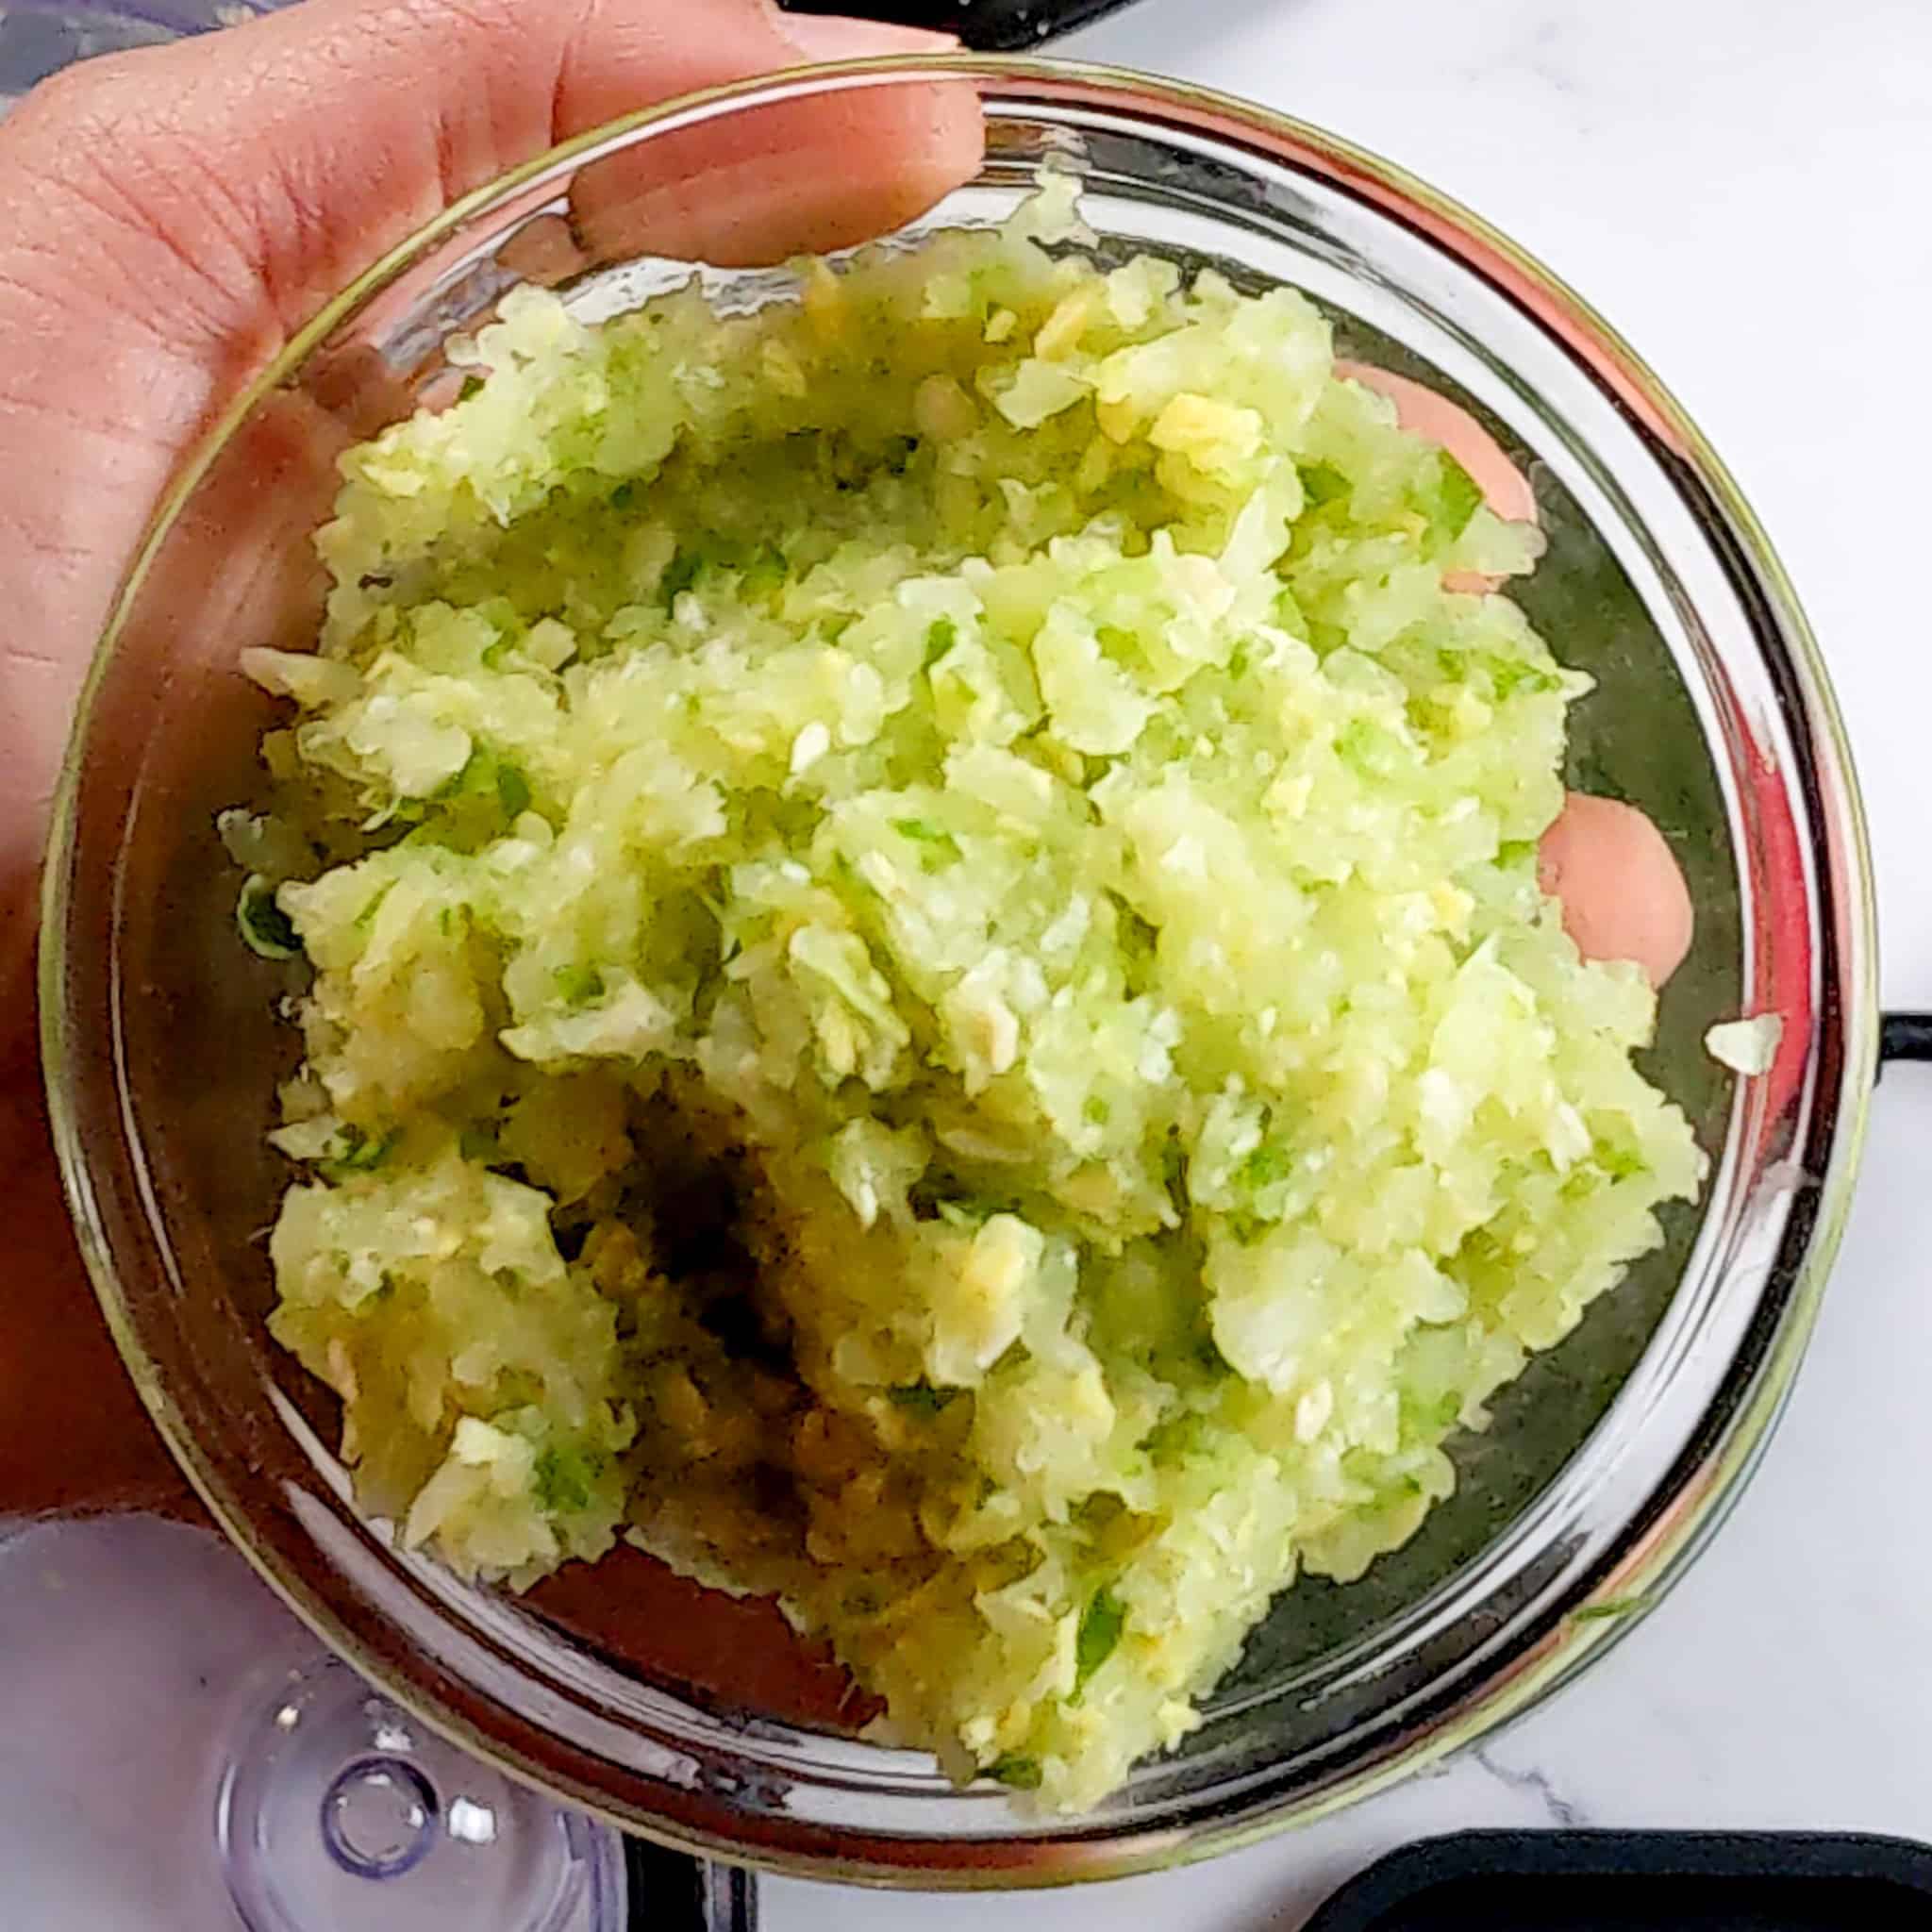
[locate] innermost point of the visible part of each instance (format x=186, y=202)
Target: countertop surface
x=1740, y=186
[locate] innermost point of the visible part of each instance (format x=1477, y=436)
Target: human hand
x=174, y=216
x=180, y=213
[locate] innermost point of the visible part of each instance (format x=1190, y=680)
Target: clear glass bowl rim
x=1847, y=1006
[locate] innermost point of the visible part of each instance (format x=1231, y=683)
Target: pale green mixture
x=929, y=989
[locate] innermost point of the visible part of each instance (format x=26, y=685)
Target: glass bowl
x=680, y=1714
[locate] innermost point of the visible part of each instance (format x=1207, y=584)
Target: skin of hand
x=174, y=215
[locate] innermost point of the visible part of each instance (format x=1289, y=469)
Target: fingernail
x=832, y=37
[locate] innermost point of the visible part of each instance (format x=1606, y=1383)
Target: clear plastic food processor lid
x=180, y=1753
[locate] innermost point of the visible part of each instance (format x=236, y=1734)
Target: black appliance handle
x=1690, y=1881
x=1903, y=1037
x=984, y=26
x=673, y=1892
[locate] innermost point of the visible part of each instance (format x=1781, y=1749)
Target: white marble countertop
x=1740, y=186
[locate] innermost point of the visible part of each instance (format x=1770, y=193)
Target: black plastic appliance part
x=985, y=27
x=1640, y=1881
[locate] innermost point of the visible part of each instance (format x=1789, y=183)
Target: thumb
x=174, y=214
x=279, y=159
